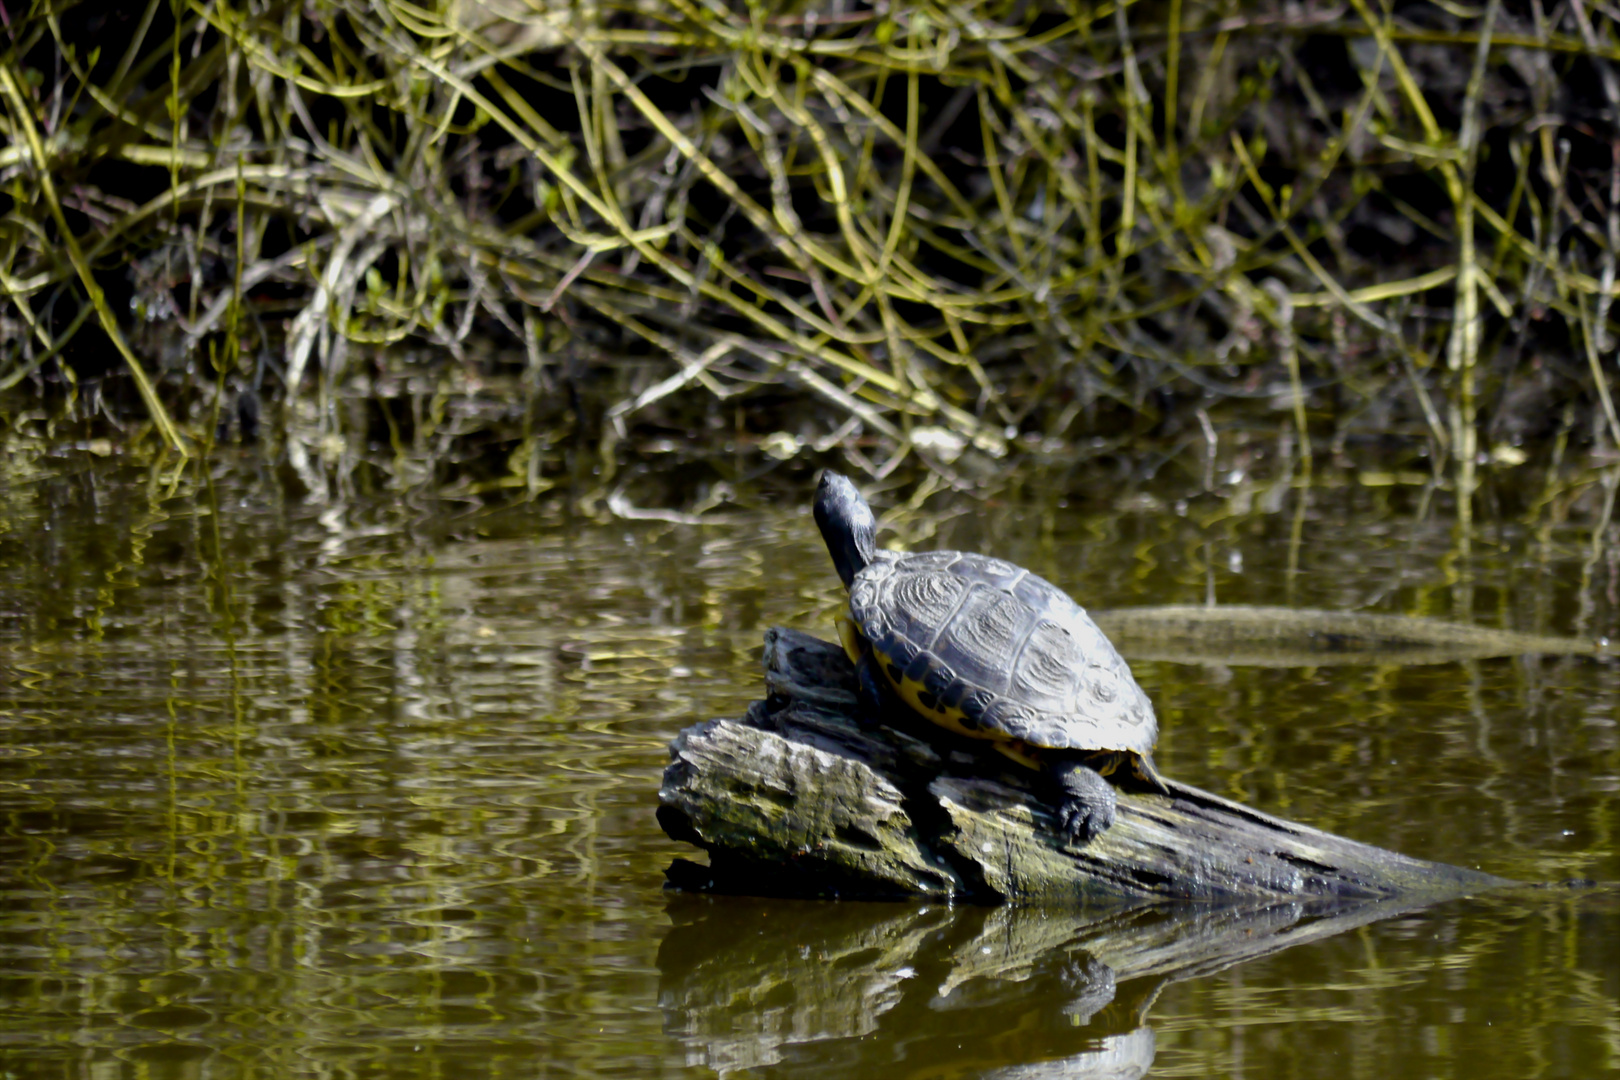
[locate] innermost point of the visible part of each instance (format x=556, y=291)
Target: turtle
x=992, y=651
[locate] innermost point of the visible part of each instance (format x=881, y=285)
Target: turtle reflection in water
x=991, y=651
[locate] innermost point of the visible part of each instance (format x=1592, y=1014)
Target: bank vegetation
x=482, y=239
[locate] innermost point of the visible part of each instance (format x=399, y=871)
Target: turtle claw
x=1088, y=806
x=1082, y=821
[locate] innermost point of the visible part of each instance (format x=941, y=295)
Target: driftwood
x=801, y=798
x=1256, y=636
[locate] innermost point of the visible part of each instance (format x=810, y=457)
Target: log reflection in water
x=989, y=991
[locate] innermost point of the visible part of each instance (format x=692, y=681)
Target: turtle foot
x=1087, y=805
x=1093, y=984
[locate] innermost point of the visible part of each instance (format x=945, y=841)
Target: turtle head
x=846, y=524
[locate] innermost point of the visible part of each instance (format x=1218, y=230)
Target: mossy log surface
x=801, y=798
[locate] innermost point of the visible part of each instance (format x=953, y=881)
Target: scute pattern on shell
x=982, y=636
x=1022, y=658
x=926, y=599
x=1049, y=668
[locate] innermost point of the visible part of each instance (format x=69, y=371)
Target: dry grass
x=926, y=230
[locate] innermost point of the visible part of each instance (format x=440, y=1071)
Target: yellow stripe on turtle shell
x=849, y=636
x=910, y=690
x=914, y=694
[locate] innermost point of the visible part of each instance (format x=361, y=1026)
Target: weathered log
x=801, y=798
x=1257, y=636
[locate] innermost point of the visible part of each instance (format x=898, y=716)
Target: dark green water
x=368, y=790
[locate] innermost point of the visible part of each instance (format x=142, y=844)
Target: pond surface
x=368, y=790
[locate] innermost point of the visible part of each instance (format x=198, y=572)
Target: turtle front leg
x=872, y=702
x=869, y=697
x=1087, y=804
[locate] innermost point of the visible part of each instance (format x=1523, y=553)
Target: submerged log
x=1305, y=637
x=801, y=798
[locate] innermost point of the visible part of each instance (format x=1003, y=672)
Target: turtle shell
x=993, y=651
